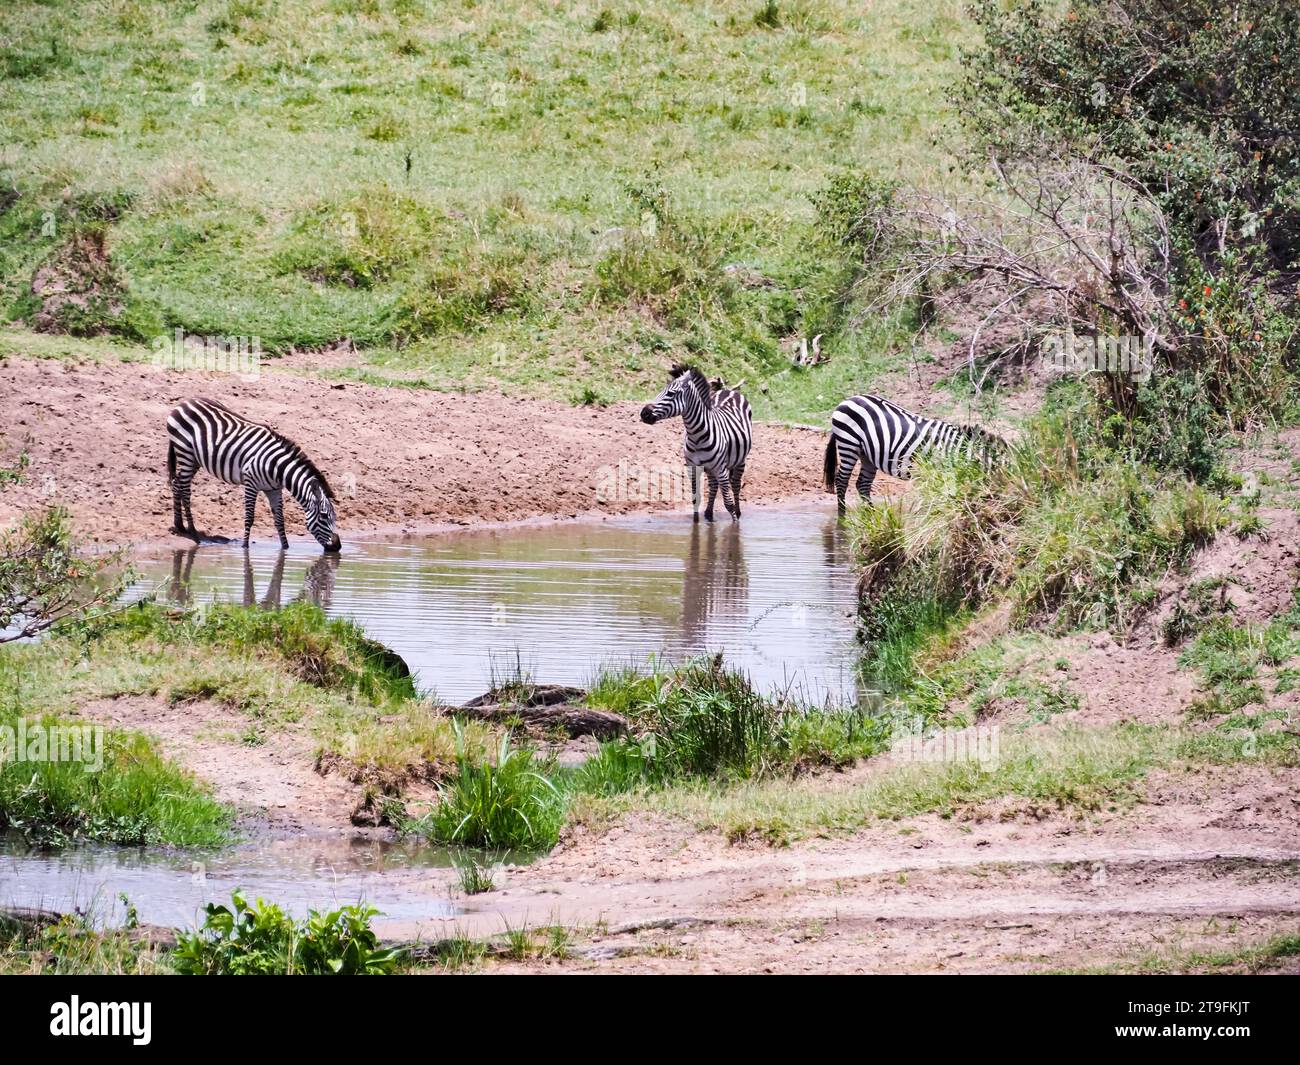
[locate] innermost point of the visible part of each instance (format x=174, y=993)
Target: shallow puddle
x=774, y=593
x=169, y=887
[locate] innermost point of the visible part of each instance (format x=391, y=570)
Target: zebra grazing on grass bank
x=719, y=433
x=886, y=437
x=208, y=434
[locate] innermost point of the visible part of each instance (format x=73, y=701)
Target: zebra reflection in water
x=716, y=581
x=317, y=584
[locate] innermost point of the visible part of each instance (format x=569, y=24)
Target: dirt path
x=925, y=895
x=400, y=459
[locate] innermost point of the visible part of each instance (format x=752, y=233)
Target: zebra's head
x=685, y=385
x=321, y=517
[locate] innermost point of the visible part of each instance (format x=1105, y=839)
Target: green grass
x=507, y=802
x=476, y=206
x=72, y=946
x=1242, y=663
x=135, y=797
x=1072, y=771
x=276, y=669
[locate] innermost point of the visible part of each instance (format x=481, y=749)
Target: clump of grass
x=475, y=877
x=509, y=803
x=360, y=241
x=72, y=946
x=708, y=720
x=134, y=797
x=334, y=654
x=621, y=690
x=1235, y=657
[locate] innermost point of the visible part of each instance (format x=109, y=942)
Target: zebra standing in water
x=719, y=433
x=886, y=437
x=208, y=434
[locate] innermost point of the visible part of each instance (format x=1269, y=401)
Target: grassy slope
x=256, y=157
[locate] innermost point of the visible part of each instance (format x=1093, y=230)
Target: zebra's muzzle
x=648, y=415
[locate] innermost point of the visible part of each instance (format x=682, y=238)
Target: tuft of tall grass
x=509, y=803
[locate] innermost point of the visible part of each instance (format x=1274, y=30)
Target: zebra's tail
x=171, y=463
x=828, y=467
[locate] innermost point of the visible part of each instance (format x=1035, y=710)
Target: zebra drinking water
x=886, y=437
x=719, y=433
x=208, y=434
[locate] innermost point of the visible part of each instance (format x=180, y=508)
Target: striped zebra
x=718, y=433
x=886, y=437
x=209, y=435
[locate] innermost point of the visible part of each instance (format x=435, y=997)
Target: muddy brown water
x=775, y=594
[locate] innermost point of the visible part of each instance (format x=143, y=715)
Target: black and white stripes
x=207, y=434
x=719, y=433
x=884, y=436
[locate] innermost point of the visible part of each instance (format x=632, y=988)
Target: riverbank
x=401, y=460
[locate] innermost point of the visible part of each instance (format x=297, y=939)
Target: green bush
x=262, y=940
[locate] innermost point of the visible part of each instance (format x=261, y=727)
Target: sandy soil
x=400, y=460
x=273, y=783
x=1211, y=871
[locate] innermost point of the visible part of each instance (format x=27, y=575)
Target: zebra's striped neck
x=696, y=416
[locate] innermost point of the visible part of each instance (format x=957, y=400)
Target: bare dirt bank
x=400, y=459
x=1166, y=880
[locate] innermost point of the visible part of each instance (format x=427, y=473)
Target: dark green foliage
x=262, y=940
x=1208, y=133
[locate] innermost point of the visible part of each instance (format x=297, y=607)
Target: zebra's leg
x=866, y=477
x=713, y=494
x=724, y=482
x=276, y=499
x=737, y=476
x=182, y=516
x=847, y=460
x=695, y=490
x=250, y=589
x=250, y=506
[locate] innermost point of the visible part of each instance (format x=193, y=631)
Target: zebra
x=719, y=433
x=208, y=434
x=884, y=436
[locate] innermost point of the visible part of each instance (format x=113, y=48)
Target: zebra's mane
x=697, y=379
x=295, y=449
